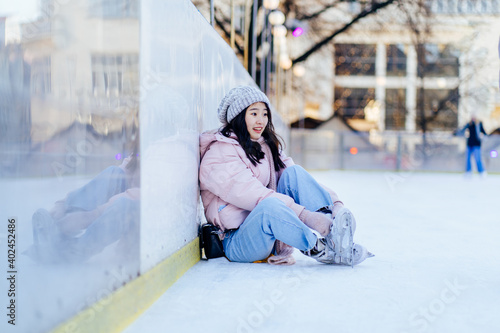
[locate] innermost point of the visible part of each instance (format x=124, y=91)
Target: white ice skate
x=321, y=252
x=324, y=254
x=340, y=239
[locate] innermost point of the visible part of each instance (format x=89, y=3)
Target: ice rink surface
x=436, y=269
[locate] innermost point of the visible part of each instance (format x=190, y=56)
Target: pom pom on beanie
x=237, y=100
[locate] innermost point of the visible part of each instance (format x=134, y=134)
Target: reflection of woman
x=90, y=218
x=262, y=202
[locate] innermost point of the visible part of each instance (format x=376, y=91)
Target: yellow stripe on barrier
x=126, y=304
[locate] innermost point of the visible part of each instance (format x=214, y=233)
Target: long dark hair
x=252, y=149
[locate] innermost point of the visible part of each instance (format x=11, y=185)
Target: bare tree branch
x=366, y=12
x=226, y=33
x=318, y=13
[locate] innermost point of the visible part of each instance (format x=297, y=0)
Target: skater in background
x=263, y=204
x=474, y=129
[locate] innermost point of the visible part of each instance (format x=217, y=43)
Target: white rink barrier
x=109, y=100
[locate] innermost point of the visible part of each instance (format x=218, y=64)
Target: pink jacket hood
x=208, y=137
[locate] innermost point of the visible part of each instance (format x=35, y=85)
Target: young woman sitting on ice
x=263, y=203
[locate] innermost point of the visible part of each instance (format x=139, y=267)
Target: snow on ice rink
x=436, y=269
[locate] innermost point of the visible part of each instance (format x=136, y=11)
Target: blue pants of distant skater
x=476, y=151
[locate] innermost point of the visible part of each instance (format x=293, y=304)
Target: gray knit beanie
x=237, y=100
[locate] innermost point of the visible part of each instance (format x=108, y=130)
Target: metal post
x=232, y=25
x=255, y=8
x=278, y=75
x=302, y=146
x=288, y=95
x=270, y=55
x=247, y=32
x=263, y=59
x=398, y=156
x=212, y=20
x=341, y=149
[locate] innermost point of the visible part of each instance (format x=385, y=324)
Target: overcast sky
x=19, y=8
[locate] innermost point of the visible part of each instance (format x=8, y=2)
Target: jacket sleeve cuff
x=298, y=209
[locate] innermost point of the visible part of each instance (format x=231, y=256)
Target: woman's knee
x=290, y=177
x=293, y=170
x=290, y=174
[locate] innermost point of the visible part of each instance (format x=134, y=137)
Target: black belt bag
x=210, y=243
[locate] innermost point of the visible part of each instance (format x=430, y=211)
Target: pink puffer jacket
x=231, y=186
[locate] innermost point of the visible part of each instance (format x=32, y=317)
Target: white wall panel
x=186, y=69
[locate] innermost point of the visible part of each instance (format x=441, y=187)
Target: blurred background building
x=390, y=79
x=77, y=77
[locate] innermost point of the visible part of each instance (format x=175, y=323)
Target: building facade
x=379, y=81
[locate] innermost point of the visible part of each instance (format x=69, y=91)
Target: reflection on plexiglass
x=70, y=153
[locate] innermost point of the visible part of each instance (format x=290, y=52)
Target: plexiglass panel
x=69, y=156
x=186, y=69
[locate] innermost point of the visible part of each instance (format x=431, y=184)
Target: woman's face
x=256, y=118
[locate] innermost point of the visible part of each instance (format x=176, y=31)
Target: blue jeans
x=273, y=220
x=476, y=151
x=118, y=221
x=96, y=192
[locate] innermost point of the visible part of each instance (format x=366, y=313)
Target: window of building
x=464, y=6
x=437, y=6
x=355, y=59
x=395, y=109
x=484, y=6
x=441, y=60
x=396, y=60
x=41, y=78
x=115, y=75
x=495, y=4
x=441, y=109
x=350, y=103
x=114, y=8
